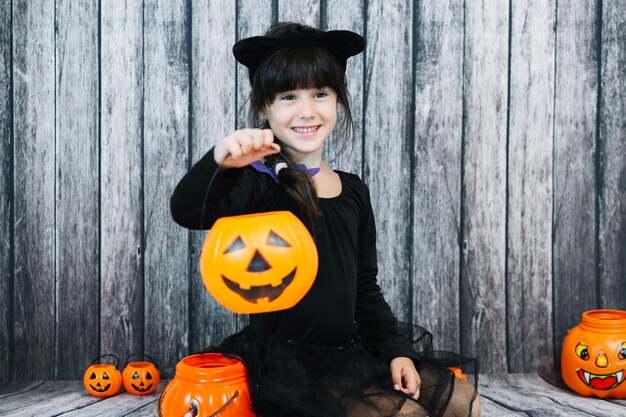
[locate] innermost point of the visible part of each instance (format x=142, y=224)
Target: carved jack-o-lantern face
x=259, y=262
x=102, y=380
x=140, y=378
x=593, y=359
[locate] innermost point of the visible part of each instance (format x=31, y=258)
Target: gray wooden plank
x=299, y=11
x=33, y=98
x=387, y=145
x=6, y=190
x=254, y=17
x=148, y=410
x=347, y=154
x=166, y=129
x=49, y=398
x=77, y=205
x=612, y=153
x=122, y=291
x=489, y=408
x=531, y=394
x=123, y=404
x=437, y=169
x=213, y=110
x=483, y=312
x=12, y=388
x=574, y=234
x=529, y=207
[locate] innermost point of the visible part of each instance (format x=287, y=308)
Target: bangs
x=298, y=68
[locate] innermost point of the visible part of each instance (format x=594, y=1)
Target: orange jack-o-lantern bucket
x=141, y=377
x=593, y=358
x=207, y=384
x=258, y=263
x=102, y=379
x=458, y=372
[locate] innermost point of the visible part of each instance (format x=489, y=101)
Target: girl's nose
x=306, y=109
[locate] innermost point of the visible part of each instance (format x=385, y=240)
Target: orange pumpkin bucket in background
x=207, y=384
x=593, y=358
x=140, y=377
x=102, y=379
x=257, y=263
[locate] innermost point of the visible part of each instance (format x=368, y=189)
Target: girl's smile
x=306, y=132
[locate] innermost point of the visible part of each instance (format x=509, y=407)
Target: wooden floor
x=502, y=396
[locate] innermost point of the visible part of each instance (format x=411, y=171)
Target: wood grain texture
x=34, y=142
x=166, y=132
x=6, y=191
x=483, y=313
x=347, y=154
x=490, y=408
x=501, y=396
x=299, y=11
x=437, y=169
x=214, y=111
x=612, y=152
x=60, y=396
x=532, y=395
x=121, y=184
x=574, y=229
x=388, y=144
x=77, y=154
x=529, y=207
x=254, y=17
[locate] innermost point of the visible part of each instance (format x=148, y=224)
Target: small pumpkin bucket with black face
x=102, y=379
x=141, y=377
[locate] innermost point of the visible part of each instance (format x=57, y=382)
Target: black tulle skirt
x=292, y=379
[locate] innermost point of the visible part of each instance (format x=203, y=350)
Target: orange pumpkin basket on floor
x=140, y=377
x=207, y=384
x=593, y=358
x=102, y=379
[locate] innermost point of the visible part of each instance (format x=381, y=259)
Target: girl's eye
x=321, y=94
x=287, y=97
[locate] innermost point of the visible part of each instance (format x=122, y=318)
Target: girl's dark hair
x=295, y=68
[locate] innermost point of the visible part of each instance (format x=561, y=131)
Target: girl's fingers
x=245, y=146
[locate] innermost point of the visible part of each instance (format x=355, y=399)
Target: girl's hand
x=405, y=377
x=243, y=147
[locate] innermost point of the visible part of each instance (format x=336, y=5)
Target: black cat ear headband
x=343, y=44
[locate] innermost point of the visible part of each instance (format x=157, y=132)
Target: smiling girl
x=339, y=351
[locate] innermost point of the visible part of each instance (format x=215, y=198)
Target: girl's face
x=303, y=118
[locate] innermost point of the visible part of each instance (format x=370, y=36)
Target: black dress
x=328, y=355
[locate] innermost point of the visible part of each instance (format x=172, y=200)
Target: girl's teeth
x=304, y=129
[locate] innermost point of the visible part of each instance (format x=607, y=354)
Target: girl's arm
x=212, y=187
x=194, y=206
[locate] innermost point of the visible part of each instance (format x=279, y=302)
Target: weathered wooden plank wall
x=492, y=135
x=77, y=178
x=6, y=191
x=529, y=185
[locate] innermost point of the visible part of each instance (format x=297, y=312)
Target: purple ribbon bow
x=259, y=166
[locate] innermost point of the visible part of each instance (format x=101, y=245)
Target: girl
x=339, y=351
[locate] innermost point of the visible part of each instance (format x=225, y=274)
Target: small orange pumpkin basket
x=141, y=377
x=102, y=379
x=593, y=358
x=207, y=384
